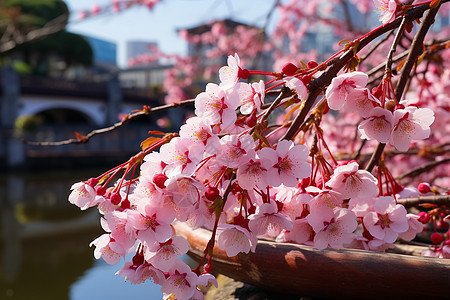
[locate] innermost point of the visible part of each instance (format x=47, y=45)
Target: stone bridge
x=62, y=107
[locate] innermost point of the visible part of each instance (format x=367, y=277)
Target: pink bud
x=437, y=238
x=211, y=193
x=243, y=73
x=312, y=64
x=159, y=180
x=424, y=217
x=115, y=198
x=289, y=69
x=424, y=187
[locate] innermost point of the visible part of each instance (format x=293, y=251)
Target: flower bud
x=100, y=190
x=115, y=198
x=211, y=193
x=312, y=64
x=289, y=69
x=424, y=217
x=424, y=187
x=207, y=268
x=159, y=180
x=437, y=238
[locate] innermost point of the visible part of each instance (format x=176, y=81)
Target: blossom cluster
x=222, y=173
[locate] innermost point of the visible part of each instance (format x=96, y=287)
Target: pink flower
x=234, y=239
x=215, y=107
x=414, y=228
x=236, y=150
x=197, y=132
x=229, y=75
x=251, y=96
x=163, y=255
x=181, y=156
x=336, y=231
x=352, y=182
x=301, y=233
x=153, y=224
x=108, y=249
x=267, y=221
x=298, y=86
x=121, y=231
x=184, y=190
x=411, y=123
x=387, y=10
x=377, y=126
x=83, y=195
x=344, y=87
x=181, y=282
x=362, y=101
x=387, y=221
x=290, y=163
x=251, y=175
x=137, y=274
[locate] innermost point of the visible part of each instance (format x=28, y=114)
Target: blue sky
x=161, y=23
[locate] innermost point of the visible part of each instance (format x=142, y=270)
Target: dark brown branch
x=416, y=50
x=416, y=201
x=127, y=119
x=423, y=168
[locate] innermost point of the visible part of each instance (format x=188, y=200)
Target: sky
x=160, y=24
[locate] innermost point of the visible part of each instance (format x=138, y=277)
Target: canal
x=44, y=243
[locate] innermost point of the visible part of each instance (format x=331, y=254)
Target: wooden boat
x=329, y=273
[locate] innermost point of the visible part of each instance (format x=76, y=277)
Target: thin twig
x=416, y=50
x=423, y=168
x=416, y=201
x=127, y=119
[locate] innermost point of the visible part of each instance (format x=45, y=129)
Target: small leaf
x=428, y=205
x=293, y=109
x=435, y=3
x=156, y=132
x=148, y=142
x=80, y=137
x=400, y=65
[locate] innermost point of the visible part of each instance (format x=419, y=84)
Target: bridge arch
x=58, y=110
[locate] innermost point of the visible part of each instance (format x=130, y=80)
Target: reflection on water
x=44, y=252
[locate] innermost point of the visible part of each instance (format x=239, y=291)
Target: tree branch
x=128, y=118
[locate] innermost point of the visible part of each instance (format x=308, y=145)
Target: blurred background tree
x=34, y=40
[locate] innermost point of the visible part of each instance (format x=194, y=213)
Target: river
x=44, y=243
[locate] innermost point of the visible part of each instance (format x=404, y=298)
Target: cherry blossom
x=344, y=87
x=251, y=96
x=83, y=195
x=236, y=150
x=378, y=125
x=181, y=281
x=215, y=107
x=108, y=249
x=234, y=239
x=411, y=123
x=335, y=231
x=153, y=224
x=137, y=273
x=197, y=132
x=387, y=220
x=229, y=75
x=387, y=10
x=298, y=86
x=181, y=156
x=163, y=255
x=289, y=164
x=267, y=221
x=352, y=182
x=184, y=190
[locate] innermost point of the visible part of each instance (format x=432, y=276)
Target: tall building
x=105, y=52
x=140, y=50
